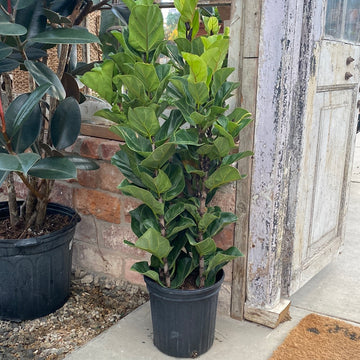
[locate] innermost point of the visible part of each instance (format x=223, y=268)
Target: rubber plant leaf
x=54, y=168
x=21, y=162
x=65, y=123
x=42, y=75
x=74, y=35
x=29, y=130
x=10, y=29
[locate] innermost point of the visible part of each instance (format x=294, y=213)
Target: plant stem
x=13, y=208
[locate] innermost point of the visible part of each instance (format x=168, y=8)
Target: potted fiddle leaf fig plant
x=179, y=148
x=36, y=235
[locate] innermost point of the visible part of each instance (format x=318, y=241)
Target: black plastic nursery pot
x=35, y=273
x=183, y=320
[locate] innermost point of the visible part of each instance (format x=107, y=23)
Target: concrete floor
x=335, y=292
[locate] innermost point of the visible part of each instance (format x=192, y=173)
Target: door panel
x=328, y=143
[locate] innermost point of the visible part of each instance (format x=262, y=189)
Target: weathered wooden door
x=328, y=141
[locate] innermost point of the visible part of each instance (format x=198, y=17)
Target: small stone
x=87, y=279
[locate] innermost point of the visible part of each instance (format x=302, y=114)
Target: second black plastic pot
x=183, y=320
x=35, y=273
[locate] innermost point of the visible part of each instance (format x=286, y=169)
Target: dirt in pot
x=53, y=222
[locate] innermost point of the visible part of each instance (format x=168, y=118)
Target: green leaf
x=142, y=267
x=5, y=50
x=186, y=8
x=147, y=74
x=111, y=115
x=11, y=29
x=198, y=67
x=82, y=163
x=65, y=123
x=27, y=108
x=159, y=156
x=224, y=219
x=222, y=258
x=171, y=124
x=55, y=18
x=146, y=28
x=20, y=162
x=100, y=79
x=144, y=121
x=219, y=78
x=214, y=56
x=184, y=267
x=54, y=168
x=174, y=211
x=29, y=130
x=142, y=219
x=7, y=65
x=159, y=184
x=43, y=75
x=206, y=220
x=186, y=137
x=176, y=176
x=179, y=225
x=221, y=176
x=145, y=196
x=134, y=141
x=205, y=247
x=199, y=92
x=135, y=87
x=230, y=159
x=154, y=243
x=74, y=35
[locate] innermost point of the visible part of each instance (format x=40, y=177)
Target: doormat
x=320, y=338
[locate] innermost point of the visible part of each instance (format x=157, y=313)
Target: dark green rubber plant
x=169, y=102
x=39, y=125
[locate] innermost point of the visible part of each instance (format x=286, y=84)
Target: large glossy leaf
x=198, y=67
x=219, y=78
x=21, y=162
x=125, y=161
x=159, y=156
x=222, y=258
x=30, y=128
x=154, y=243
x=205, y=247
x=144, y=121
x=176, y=176
x=146, y=29
x=5, y=50
x=143, y=195
x=199, y=92
x=134, y=141
x=142, y=267
x=221, y=176
x=225, y=218
x=135, y=87
x=7, y=65
x=65, y=123
x=43, y=75
x=186, y=8
x=179, y=224
x=11, y=29
x=174, y=211
x=54, y=168
x=26, y=109
x=206, y=220
x=74, y=35
x=100, y=80
x=82, y=163
x=172, y=123
x=230, y=159
x=159, y=184
x=142, y=219
x=186, y=137
x=55, y=18
x=183, y=269
x=147, y=74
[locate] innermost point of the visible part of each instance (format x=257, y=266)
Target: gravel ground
x=95, y=304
